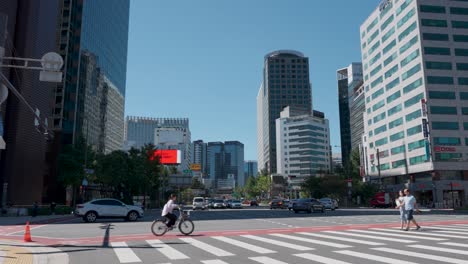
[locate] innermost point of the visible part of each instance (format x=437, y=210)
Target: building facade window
x=414, y=115
x=432, y=9
x=395, y=123
x=414, y=130
x=447, y=141
x=437, y=65
x=410, y=87
x=443, y=110
x=439, y=80
x=416, y=145
x=445, y=125
x=393, y=97
x=434, y=23
x=441, y=95
x=436, y=51
x=418, y=160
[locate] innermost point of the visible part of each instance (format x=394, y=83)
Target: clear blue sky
x=203, y=59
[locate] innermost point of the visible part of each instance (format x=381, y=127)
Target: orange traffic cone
x=27, y=233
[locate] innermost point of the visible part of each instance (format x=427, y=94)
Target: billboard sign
x=440, y=149
x=168, y=156
x=195, y=167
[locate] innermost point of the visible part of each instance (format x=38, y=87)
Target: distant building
x=225, y=164
x=336, y=160
x=250, y=169
x=285, y=83
x=303, y=143
x=199, y=156
x=343, y=104
x=170, y=136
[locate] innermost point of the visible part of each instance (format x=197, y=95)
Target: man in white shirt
x=167, y=211
x=410, y=206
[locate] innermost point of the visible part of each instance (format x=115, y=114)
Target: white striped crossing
x=278, y=243
x=244, y=245
x=448, y=229
x=419, y=233
x=405, y=235
x=166, y=250
x=124, y=253
x=454, y=228
x=369, y=243
x=454, y=244
x=207, y=247
x=320, y=259
x=313, y=241
x=441, y=249
x=373, y=257
x=213, y=261
x=371, y=237
x=421, y=255
x=267, y=260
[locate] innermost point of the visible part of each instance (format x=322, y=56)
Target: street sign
x=187, y=171
x=425, y=128
x=195, y=167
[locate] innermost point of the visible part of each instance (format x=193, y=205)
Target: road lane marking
x=373, y=257
x=267, y=260
x=320, y=259
x=124, y=253
x=313, y=241
x=405, y=235
x=278, y=243
x=419, y=233
x=454, y=244
x=440, y=249
x=421, y=255
x=451, y=228
x=244, y=245
x=166, y=250
x=207, y=247
x=371, y=237
x=343, y=239
x=214, y=261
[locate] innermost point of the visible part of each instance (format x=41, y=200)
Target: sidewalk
x=40, y=219
x=28, y=253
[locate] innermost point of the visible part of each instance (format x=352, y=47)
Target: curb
x=48, y=221
x=37, y=254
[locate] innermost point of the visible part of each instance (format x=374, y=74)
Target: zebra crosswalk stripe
x=405, y=235
x=244, y=245
x=454, y=244
x=166, y=250
x=320, y=259
x=278, y=243
x=207, y=247
x=371, y=237
x=267, y=260
x=422, y=233
x=440, y=249
x=448, y=229
x=373, y=257
x=343, y=239
x=214, y=261
x=454, y=228
x=124, y=253
x=312, y=241
x=421, y=255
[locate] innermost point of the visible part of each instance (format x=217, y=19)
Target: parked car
x=235, y=204
x=328, y=203
x=335, y=202
x=253, y=203
x=228, y=203
x=218, y=203
x=107, y=208
x=290, y=204
x=278, y=203
x=309, y=205
x=199, y=203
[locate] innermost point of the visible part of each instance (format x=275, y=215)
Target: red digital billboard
x=168, y=156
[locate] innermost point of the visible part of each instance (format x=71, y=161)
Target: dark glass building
x=31, y=28
x=285, y=83
x=343, y=103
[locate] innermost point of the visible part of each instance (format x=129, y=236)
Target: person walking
x=400, y=204
x=410, y=206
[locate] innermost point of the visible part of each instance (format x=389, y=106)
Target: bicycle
x=184, y=223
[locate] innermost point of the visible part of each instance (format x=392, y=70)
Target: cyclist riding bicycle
x=167, y=211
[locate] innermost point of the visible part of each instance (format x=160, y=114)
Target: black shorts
x=409, y=214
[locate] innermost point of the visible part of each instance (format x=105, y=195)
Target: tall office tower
x=175, y=135
x=27, y=29
x=199, y=156
x=93, y=40
x=414, y=55
x=285, y=83
x=303, y=142
x=343, y=104
x=225, y=164
x=250, y=169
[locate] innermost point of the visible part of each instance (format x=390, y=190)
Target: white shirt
x=168, y=207
x=410, y=201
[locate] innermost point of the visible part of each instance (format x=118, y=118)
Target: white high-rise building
x=170, y=137
x=415, y=66
x=303, y=143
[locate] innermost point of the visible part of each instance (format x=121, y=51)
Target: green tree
x=263, y=184
x=251, y=189
x=311, y=187
x=196, y=184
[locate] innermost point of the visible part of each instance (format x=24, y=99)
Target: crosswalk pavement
x=432, y=244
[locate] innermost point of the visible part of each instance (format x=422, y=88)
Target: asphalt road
x=266, y=236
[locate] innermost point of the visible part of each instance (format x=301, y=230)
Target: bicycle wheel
x=186, y=227
x=158, y=228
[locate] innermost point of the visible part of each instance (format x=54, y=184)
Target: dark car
x=278, y=203
x=253, y=203
x=309, y=205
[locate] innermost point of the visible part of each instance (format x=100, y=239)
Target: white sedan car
x=107, y=208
